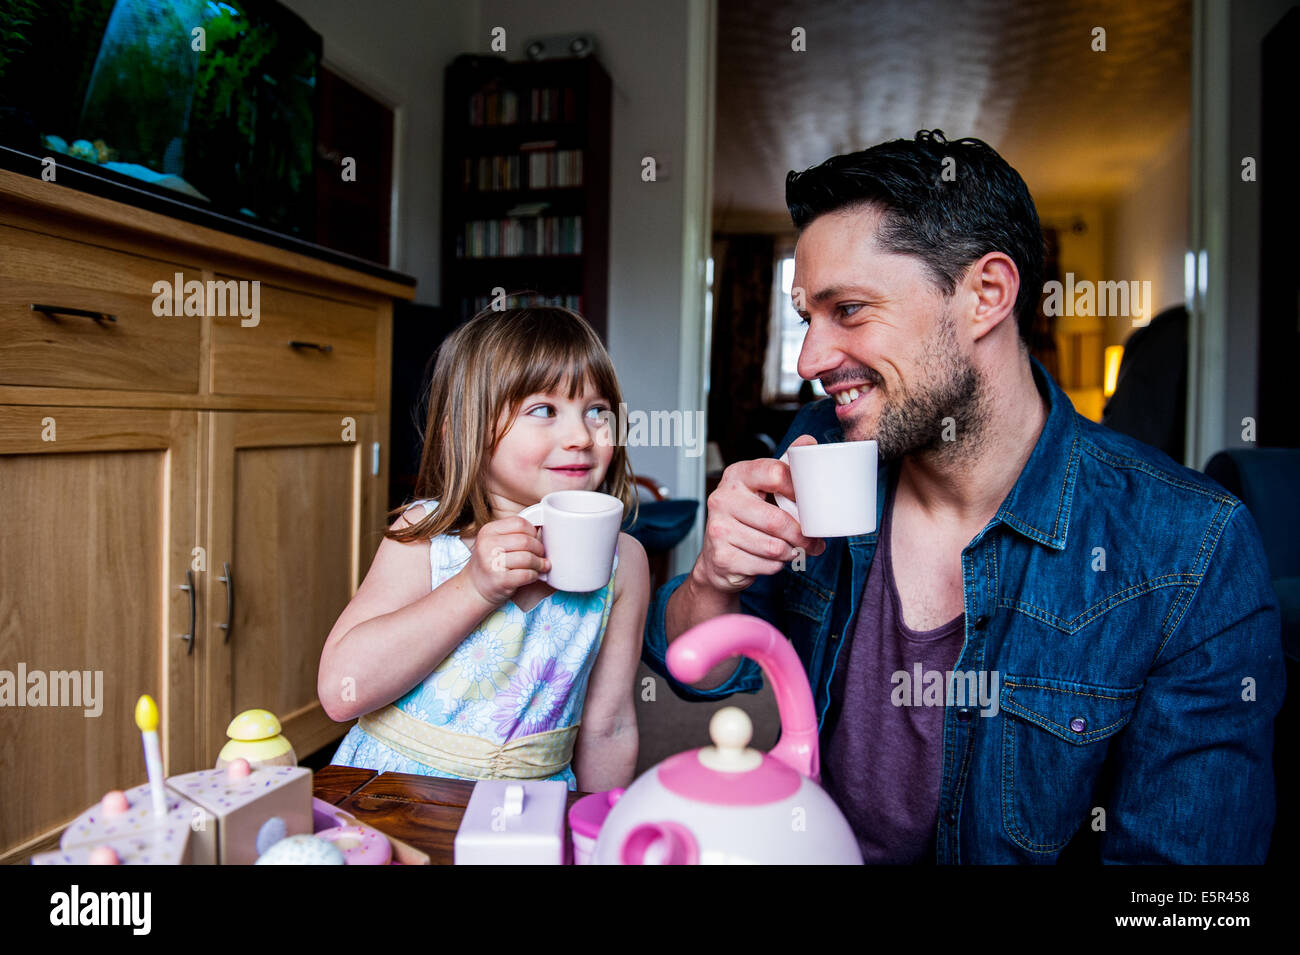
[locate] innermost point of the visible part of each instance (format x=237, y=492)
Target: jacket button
x=1078, y=724
x=952, y=817
x=981, y=621
x=963, y=714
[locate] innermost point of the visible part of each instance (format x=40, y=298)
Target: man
x=1108, y=613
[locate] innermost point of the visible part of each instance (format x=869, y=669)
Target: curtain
x=742, y=312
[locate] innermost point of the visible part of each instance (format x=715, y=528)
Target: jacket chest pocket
x=805, y=599
x=1054, y=740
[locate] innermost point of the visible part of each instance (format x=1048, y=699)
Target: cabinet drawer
x=300, y=346
x=136, y=350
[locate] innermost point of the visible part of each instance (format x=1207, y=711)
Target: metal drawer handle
x=229, y=581
x=189, y=637
x=53, y=310
x=298, y=344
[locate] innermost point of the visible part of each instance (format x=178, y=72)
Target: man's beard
x=913, y=422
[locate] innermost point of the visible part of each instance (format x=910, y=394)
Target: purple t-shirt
x=881, y=761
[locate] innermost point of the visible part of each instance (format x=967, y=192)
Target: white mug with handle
x=580, y=533
x=835, y=485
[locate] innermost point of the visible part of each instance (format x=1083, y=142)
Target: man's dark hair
x=981, y=206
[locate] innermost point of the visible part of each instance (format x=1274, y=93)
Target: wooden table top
x=424, y=811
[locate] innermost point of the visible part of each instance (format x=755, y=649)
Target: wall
x=1083, y=253
x=1139, y=235
x=659, y=58
x=1149, y=233
x=655, y=323
x=399, y=58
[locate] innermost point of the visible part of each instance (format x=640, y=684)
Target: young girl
x=458, y=660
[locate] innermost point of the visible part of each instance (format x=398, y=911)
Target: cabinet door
x=99, y=514
x=287, y=515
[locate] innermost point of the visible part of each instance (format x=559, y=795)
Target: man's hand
x=746, y=535
x=507, y=555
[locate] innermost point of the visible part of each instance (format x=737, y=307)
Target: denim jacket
x=1125, y=605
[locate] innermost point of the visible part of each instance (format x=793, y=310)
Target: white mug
x=835, y=485
x=580, y=532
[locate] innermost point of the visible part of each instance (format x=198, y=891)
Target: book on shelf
x=547, y=169
x=552, y=105
x=555, y=169
x=537, y=235
x=494, y=108
x=500, y=107
x=523, y=300
x=492, y=173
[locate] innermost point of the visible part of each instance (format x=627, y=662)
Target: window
x=781, y=378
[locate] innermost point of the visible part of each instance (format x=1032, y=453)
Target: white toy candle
x=146, y=717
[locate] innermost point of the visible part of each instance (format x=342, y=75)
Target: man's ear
x=995, y=283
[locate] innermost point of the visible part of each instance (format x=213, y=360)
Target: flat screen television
x=210, y=103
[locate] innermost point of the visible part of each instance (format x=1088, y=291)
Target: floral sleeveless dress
x=517, y=674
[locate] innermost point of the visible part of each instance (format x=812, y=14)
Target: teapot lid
x=729, y=773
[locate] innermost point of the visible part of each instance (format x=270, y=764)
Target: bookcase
x=526, y=166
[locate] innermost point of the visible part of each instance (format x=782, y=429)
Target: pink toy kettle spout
x=706, y=645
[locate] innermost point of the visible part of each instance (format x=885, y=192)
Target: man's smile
x=850, y=398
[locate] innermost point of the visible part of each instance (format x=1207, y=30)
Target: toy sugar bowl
x=255, y=736
x=586, y=816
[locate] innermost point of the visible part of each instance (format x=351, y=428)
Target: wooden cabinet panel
x=287, y=513
x=120, y=473
x=334, y=355
x=98, y=508
x=138, y=350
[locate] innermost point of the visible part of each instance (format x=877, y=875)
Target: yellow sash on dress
x=528, y=757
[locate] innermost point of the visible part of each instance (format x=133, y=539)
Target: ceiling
x=1019, y=74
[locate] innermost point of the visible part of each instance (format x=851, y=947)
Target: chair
x=1266, y=480
x=661, y=524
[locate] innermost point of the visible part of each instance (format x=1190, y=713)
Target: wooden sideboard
x=187, y=502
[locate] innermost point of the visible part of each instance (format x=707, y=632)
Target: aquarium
x=212, y=103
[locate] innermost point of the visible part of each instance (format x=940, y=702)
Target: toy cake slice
x=125, y=823
x=244, y=800
x=165, y=845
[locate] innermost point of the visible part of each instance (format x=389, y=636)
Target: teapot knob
x=731, y=730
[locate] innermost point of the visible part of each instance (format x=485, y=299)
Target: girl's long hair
x=484, y=369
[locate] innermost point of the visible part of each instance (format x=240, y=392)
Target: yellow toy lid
x=253, y=725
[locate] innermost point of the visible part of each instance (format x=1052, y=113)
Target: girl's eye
x=595, y=411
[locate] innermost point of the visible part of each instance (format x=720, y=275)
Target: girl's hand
x=507, y=555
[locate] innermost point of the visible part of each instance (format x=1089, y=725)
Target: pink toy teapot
x=727, y=803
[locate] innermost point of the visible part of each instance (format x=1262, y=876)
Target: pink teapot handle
x=706, y=645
